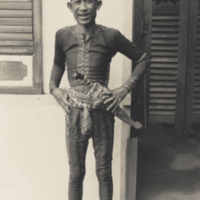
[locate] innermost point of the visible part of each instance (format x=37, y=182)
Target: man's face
x=84, y=10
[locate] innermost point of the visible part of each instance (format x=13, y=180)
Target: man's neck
x=86, y=30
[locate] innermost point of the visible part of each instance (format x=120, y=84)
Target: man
x=87, y=49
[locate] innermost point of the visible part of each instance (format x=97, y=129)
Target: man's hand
x=61, y=97
x=118, y=95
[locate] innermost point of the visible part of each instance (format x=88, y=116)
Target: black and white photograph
x=100, y=99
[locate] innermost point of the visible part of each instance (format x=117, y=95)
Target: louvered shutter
x=21, y=34
x=16, y=27
x=192, y=108
x=196, y=92
x=166, y=42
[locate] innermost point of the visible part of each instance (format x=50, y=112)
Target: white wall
x=34, y=162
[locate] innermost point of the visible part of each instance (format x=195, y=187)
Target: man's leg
x=76, y=146
x=103, y=129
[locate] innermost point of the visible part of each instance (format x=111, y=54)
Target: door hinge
x=144, y=27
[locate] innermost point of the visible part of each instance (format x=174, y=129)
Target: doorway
x=169, y=31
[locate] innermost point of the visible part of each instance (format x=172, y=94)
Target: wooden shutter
x=16, y=27
x=192, y=109
x=21, y=34
x=164, y=62
x=166, y=42
x=196, y=94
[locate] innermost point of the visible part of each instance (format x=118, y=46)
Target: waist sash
x=94, y=99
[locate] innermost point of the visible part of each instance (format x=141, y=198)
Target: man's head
x=84, y=10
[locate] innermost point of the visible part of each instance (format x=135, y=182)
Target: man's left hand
x=118, y=95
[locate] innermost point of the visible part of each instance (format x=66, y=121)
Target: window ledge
x=27, y=100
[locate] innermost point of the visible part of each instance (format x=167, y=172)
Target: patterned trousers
x=102, y=136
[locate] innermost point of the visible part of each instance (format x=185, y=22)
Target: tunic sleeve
x=127, y=48
x=59, y=56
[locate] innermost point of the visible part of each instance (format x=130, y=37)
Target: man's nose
x=83, y=6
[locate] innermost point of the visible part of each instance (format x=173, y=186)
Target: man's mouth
x=84, y=15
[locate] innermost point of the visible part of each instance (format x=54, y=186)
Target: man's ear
x=99, y=4
x=69, y=5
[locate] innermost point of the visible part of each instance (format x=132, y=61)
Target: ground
x=168, y=165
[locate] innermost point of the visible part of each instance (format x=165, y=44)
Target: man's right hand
x=61, y=97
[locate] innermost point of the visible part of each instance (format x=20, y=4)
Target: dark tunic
x=91, y=58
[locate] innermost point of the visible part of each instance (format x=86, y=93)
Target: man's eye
x=77, y=2
x=88, y=1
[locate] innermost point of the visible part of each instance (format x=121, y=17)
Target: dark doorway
x=170, y=32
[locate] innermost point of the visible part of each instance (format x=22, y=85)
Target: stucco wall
x=34, y=162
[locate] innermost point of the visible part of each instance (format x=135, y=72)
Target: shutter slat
x=197, y=72
x=16, y=43
x=16, y=29
x=15, y=21
x=162, y=53
x=154, y=47
x=16, y=13
x=163, y=35
x=196, y=101
x=162, y=107
x=163, y=84
x=16, y=37
x=164, y=42
x=165, y=23
x=162, y=95
x=162, y=71
x=197, y=65
x=197, y=59
x=196, y=89
x=196, y=112
x=197, y=77
x=157, y=77
x=15, y=6
x=162, y=112
x=196, y=106
x=163, y=101
x=158, y=65
x=197, y=83
x=196, y=95
x=162, y=89
x=163, y=29
x=163, y=59
x=167, y=17
x=17, y=50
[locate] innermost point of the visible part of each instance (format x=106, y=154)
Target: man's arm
x=120, y=93
x=57, y=72
x=137, y=73
x=138, y=56
x=59, y=94
x=56, y=76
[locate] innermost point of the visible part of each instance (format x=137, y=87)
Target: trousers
x=101, y=133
